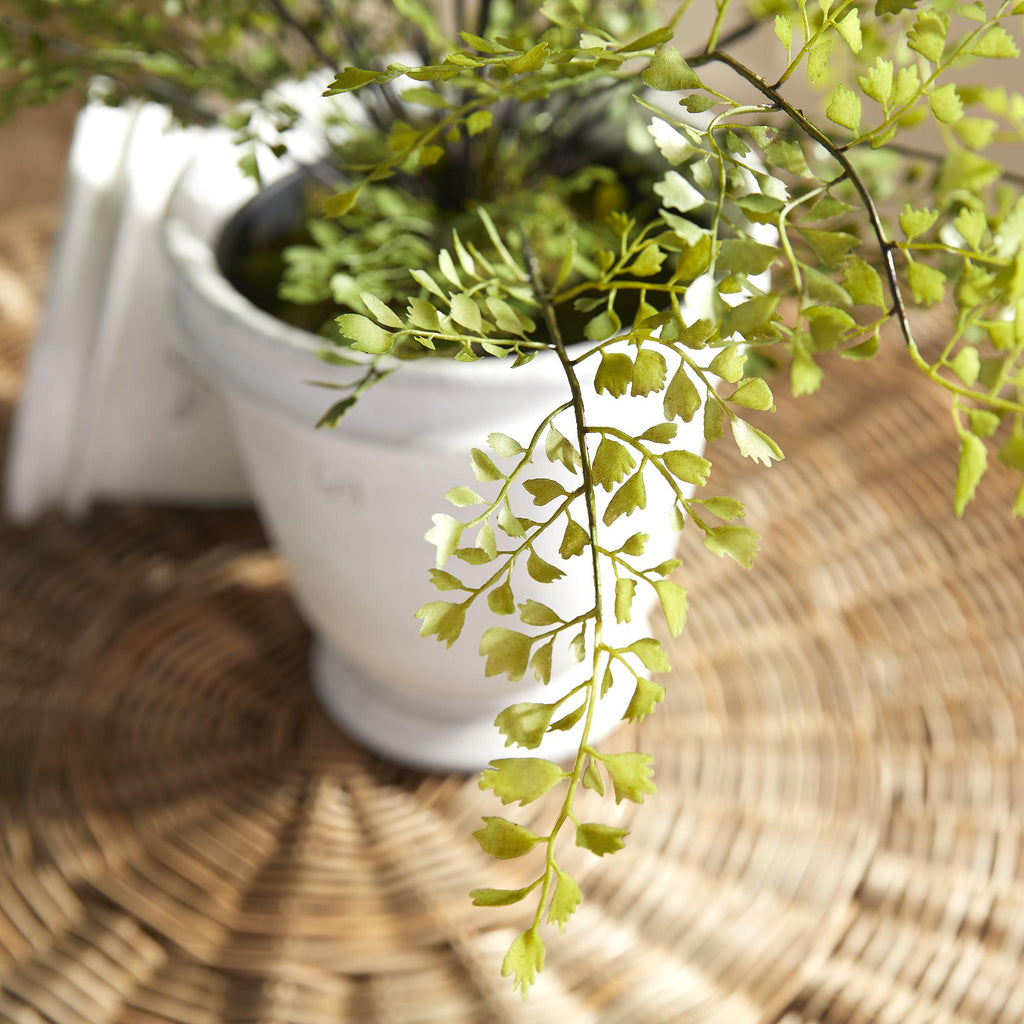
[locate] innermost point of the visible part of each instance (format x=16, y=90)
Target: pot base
x=433, y=736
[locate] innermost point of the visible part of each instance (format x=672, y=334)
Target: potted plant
x=620, y=283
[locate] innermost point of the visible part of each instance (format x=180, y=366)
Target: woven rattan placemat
x=837, y=835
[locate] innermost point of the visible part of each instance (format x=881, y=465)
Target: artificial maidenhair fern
x=846, y=255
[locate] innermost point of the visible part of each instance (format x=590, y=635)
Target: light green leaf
x=352, y=78
x=507, y=652
x=614, y=374
x=906, y=86
x=510, y=523
x=532, y=60
x=831, y=247
x=544, y=490
x=983, y=422
x=817, y=60
x=682, y=398
x=612, y=463
x=568, y=721
x=479, y=121
x=970, y=470
x=592, y=779
x=927, y=283
x=996, y=42
x=849, y=29
x=645, y=696
x=574, y=540
x=649, y=372
x=844, y=107
x=669, y=72
x=728, y=363
x=648, y=262
x=564, y=902
x=540, y=663
x=753, y=393
x=541, y=571
x=578, y=645
x=632, y=775
x=660, y=433
x=444, y=535
x=673, y=604
x=632, y=495
x=754, y=444
x=445, y=580
x=650, y=653
x=878, y=80
x=484, y=468
x=784, y=29
x=603, y=326
x=967, y=365
x=972, y=225
x=504, y=839
x=384, y=314
x=505, y=446
x=500, y=897
x=787, y=154
x=745, y=256
x=524, y=724
x=524, y=960
x=467, y=313
x=533, y=613
x=946, y=104
x=691, y=468
x=678, y=194
x=928, y=36
x=714, y=416
x=725, y=508
x=501, y=600
x=463, y=497
x=635, y=545
x=805, y=374
x=423, y=315
x=863, y=283
x=558, y=448
x=522, y=779
x=738, y=542
x=364, y=334
x=624, y=590
x=443, y=619
x=600, y=839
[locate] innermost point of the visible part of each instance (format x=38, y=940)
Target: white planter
x=349, y=507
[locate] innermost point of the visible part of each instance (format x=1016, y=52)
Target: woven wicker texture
x=837, y=835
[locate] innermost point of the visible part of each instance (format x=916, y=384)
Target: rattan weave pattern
x=837, y=836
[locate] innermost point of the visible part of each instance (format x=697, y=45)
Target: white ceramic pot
x=349, y=507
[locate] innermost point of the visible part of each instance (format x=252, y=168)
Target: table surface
x=837, y=834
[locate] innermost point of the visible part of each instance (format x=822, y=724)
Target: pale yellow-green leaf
x=669, y=72
x=754, y=443
x=946, y=104
x=970, y=470
x=849, y=28
x=844, y=108
x=673, y=604
x=524, y=960
x=524, y=724
x=521, y=779
x=600, y=839
x=632, y=775
x=927, y=283
x=507, y=652
x=567, y=897
x=738, y=542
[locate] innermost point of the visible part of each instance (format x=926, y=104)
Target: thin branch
x=886, y=247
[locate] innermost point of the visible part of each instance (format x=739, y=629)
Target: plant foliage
x=660, y=290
